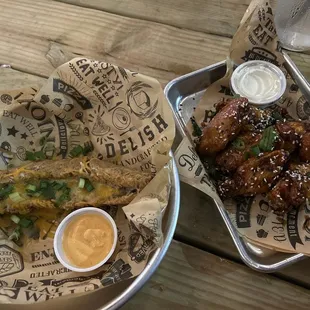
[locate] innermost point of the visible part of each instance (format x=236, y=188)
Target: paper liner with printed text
x=255, y=39
x=124, y=116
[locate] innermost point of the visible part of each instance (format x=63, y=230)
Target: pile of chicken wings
x=258, y=151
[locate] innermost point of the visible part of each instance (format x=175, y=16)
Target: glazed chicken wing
x=255, y=176
x=258, y=119
x=269, y=137
x=224, y=126
x=302, y=169
x=291, y=133
x=236, y=154
x=285, y=195
x=292, y=190
x=221, y=104
x=292, y=130
x=304, y=151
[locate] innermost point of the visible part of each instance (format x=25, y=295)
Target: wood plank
x=189, y=278
x=13, y=79
x=161, y=51
x=210, y=16
x=42, y=58
x=201, y=224
x=142, y=44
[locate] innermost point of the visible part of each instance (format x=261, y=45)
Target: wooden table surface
x=163, y=39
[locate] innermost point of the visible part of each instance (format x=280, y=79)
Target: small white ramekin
x=58, y=248
x=260, y=63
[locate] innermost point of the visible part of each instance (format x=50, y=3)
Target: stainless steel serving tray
x=114, y=296
x=183, y=94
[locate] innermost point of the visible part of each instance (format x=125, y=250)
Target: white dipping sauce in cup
x=261, y=82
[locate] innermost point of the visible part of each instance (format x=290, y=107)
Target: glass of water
x=292, y=20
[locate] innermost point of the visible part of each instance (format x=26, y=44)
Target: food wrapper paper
x=255, y=39
x=125, y=118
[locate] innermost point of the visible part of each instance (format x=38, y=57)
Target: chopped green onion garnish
x=34, y=156
x=43, y=184
x=76, y=151
x=31, y=188
x=40, y=155
x=87, y=149
x=49, y=150
x=61, y=199
x=80, y=150
x=255, y=150
x=48, y=193
x=197, y=132
x=6, y=190
x=16, y=197
x=58, y=186
x=64, y=196
x=238, y=144
x=15, y=218
x=81, y=183
x=277, y=116
x=15, y=235
x=67, y=191
x=266, y=144
x=30, y=156
x=88, y=186
x=24, y=222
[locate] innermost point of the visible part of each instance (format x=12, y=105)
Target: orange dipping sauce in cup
x=87, y=240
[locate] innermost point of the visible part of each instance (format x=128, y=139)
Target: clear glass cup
x=292, y=20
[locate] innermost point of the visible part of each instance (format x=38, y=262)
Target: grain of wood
x=12, y=79
x=201, y=224
x=189, y=278
x=28, y=29
x=33, y=26
x=44, y=57
x=212, y=16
